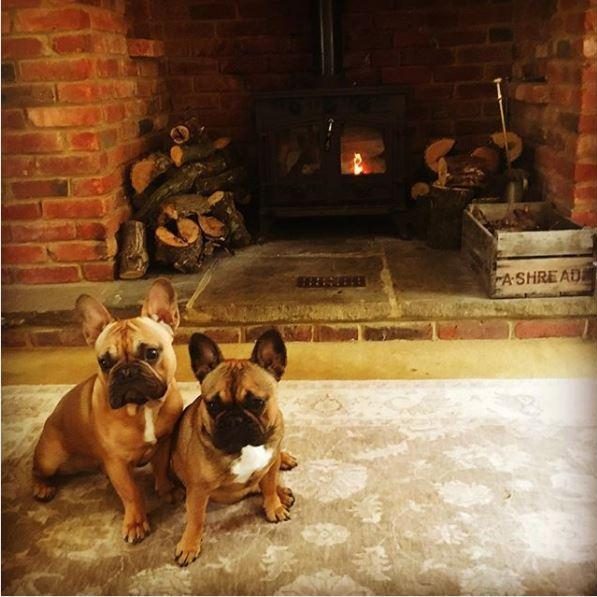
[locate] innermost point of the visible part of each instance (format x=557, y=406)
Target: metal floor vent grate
x=331, y=281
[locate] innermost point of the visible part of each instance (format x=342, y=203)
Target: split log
x=463, y=171
x=219, y=204
x=133, y=259
x=213, y=228
x=188, y=131
x=146, y=170
x=515, y=144
x=183, y=180
x=179, y=245
x=183, y=154
x=419, y=189
x=491, y=157
x=224, y=181
x=436, y=150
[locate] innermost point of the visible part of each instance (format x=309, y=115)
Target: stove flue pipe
x=330, y=37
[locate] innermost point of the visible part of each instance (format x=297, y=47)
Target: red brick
x=99, y=272
x=444, y=74
x=28, y=95
x=6, y=22
x=78, y=43
x=65, y=116
x=406, y=74
x=587, y=123
x=21, y=47
x=48, y=275
x=104, y=43
x=45, y=19
x=7, y=278
x=460, y=37
x=474, y=90
x=108, y=68
x=585, y=172
x=484, y=54
x=114, y=112
x=74, y=208
x=15, y=338
x=473, y=330
x=21, y=211
x=18, y=254
x=25, y=189
x=32, y=143
x=290, y=333
x=106, y=20
x=486, y=15
x=221, y=335
x=549, y=328
x=69, y=165
x=84, y=141
x=88, y=92
x=96, y=186
x=13, y=119
x=78, y=251
x=46, y=231
x=146, y=48
x=56, y=70
x=336, y=333
x=398, y=331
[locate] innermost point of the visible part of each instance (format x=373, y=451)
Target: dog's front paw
x=43, y=492
x=286, y=496
x=135, y=528
x=187, y=552
x=287, y=461
x=275, y=510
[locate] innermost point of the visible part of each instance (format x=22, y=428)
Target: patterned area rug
x=404, y=487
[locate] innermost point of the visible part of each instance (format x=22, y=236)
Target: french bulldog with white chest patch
x=228, y=444
x=122, y=416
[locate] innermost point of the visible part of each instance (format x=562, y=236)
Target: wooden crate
x=557, y=261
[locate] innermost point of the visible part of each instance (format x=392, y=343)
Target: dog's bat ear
x=205, y=355
x=161, y=303
x=93, y=316
x=269, y=352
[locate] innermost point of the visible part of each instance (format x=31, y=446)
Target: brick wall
x=75, y=110
x=557, y=40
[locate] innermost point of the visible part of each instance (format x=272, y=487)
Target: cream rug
x=404, y=487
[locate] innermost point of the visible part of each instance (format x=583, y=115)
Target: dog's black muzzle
x=134, y=383
x=235, y=429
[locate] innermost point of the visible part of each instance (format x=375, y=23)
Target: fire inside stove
x=362, y=151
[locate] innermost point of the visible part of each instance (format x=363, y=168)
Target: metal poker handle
x=498, y=82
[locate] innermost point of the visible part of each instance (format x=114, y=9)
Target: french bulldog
x=122, y=416
x=228, y=442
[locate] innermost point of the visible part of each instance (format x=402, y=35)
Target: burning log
x=179, y=243
x=436, y=150
x=145, y=171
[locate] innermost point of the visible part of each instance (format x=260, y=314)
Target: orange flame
x=357, y=162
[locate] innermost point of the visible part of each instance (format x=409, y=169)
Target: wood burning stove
x=331, y=152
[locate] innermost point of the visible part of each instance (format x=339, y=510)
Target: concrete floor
x=398, y=359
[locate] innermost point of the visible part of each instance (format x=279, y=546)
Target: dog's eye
x=105, y=363
x=152, y=354
x=253, y=403
x=214, y=406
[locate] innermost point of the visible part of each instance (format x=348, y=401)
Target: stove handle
x=328, y=136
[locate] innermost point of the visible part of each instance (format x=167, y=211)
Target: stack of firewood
x=185, y=203
x=479, y=173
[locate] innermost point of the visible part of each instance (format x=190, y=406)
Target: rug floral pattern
x=404, y=487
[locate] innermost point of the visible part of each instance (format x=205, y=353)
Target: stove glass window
x=298, y=151
x=362, y=150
